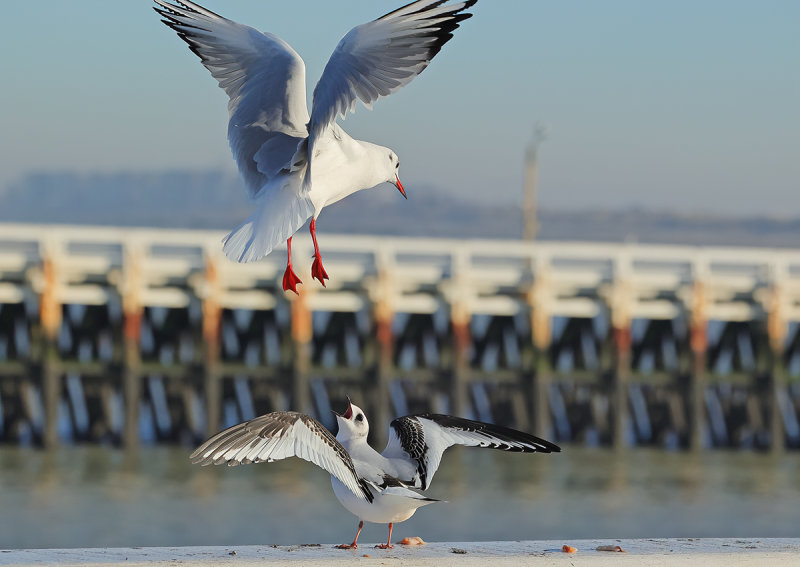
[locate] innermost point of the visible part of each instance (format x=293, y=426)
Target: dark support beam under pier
x=622, y=349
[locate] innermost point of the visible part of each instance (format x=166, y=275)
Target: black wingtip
x=534, y=444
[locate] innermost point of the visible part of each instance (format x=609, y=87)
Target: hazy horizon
x=229, y=178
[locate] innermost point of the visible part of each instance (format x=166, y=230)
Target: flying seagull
x=383, y=488
x=293, y=165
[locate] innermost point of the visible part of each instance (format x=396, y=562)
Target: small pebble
x=458, y=551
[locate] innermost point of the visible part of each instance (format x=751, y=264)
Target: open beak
x=400, y=187
x=348, y=413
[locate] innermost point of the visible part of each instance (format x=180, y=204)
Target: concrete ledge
x=646, y=552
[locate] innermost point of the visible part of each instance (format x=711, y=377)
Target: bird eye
x=360, y=417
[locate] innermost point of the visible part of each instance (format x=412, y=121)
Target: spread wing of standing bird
x=383, y=488
x=294, y=164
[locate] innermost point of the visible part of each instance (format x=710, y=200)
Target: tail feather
x=279, y=214
x=408, y=493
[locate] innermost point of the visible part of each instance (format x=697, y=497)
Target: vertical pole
x=133, y=312
x=462, y=341
x=622, y=344
x=776, y=332
x=212, y=318
x=132, y=378
x=540, y=299
x=622, y=295
x=698, y=343
x=384, y=374
x=531, y=225
x=460, y=318
x=302, y=335
x=384, y=314
x=50, y=310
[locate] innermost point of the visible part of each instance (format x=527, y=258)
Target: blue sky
x=683, y=105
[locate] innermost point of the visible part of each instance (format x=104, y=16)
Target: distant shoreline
x=216, y=200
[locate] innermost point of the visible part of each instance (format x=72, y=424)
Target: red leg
x=317, y=271
x=290, y=279
x=388, y=544
x=353, y=545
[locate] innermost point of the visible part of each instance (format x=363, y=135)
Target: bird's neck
x=352, y=444
x=373, y=167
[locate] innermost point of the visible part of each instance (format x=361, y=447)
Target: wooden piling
x=133, y=312
x=460, y=319
x=620, y=305
x=383, y=315
x=212, y=321
x=132, y=381
x=302, y=335
x=462, y=341
x=539, y=298
x=777, y=329
x=622, y=346
x=50, y=313
x=698, y=345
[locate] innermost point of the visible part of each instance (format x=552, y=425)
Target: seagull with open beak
x=383, y=488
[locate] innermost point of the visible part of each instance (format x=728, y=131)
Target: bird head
x=353, y=423
x=394, y=175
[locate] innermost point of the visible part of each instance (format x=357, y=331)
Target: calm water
x=81, y=497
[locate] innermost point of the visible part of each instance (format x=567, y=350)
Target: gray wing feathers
x=377, y=58
x=261, y=74
x=280, y=435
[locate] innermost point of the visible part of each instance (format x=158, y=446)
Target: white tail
x=279, y=214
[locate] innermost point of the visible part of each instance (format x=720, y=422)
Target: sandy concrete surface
x=645, y=552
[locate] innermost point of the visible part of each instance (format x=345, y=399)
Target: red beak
x=348, y=414
x=400, y=187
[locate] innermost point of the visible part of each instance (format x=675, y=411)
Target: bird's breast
x=339, y=168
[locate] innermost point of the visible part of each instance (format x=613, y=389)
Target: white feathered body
x=342, y=166
x=393, y=503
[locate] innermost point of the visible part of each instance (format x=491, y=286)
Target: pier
x=129, y=336
x=641, y=552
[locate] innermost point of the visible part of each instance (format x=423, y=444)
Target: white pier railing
x=620, y=289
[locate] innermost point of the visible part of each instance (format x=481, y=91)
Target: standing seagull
x=376, y=487
x=273, y=139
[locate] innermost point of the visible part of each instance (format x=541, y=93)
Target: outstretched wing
x=264, y=78
x=377, y=58
x=277, y=436
x=421, y=439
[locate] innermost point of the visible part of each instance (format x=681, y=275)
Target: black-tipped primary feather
x=424, y=437
x=377, y=58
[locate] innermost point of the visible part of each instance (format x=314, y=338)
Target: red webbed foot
x=290, y=280
x=353, y=545
x=318, y=271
